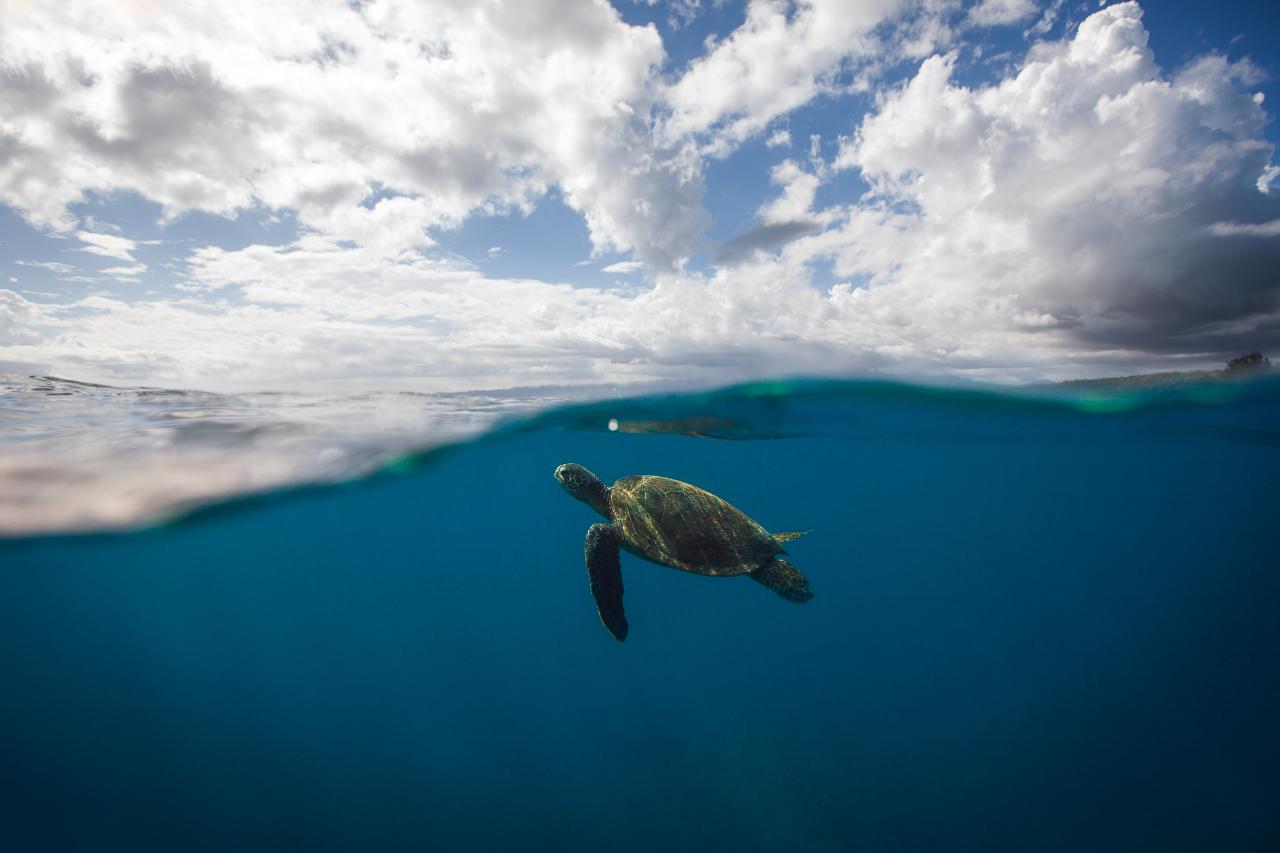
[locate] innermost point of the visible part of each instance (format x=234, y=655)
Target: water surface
x=1042, y=621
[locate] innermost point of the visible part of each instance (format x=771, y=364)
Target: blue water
x=1042, y=621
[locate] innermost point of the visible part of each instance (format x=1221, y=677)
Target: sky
x=471, y=194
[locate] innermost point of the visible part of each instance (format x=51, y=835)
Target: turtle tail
x=784, y=579
x=788, y=535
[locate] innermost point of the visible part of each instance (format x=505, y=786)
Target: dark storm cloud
x=1223, y=298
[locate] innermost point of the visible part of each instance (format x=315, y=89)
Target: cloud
x=992, y=13
x=1048, y=19
x=779, y=59
x=1074, y=197
x=766, y=237
x=1267, y=181
x=624, y=267
x=1086, y=209
x=107, y=245
x=680, y=12
x=780, y=138
x=315, y=311
x=52, y=266
x=129, y=273
x=18, y=319
x=799, y=188
x=318, y=312
x=375, y=122
x=785, y=218
x=1247, y=229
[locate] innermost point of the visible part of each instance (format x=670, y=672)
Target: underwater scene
x=1041, y=619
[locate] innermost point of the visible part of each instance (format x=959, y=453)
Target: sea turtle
x=678, y=525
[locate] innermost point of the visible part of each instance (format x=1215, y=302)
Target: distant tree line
x=1248, y=362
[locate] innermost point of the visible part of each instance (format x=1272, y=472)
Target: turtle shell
x=679, y=525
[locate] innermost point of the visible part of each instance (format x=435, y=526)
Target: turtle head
x=584, y=486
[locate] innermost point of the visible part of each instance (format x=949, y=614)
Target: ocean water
x=1044, y=619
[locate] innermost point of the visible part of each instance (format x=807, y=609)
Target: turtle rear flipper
x=783, y=578
x=604, y=571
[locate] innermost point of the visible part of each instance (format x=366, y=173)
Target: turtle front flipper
x=604, y=570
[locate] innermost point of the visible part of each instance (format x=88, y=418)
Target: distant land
x=1245, y=366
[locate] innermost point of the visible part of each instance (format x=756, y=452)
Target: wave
x=77, y=457
x=80, y=457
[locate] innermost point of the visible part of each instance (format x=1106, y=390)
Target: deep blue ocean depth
x=1038, y=624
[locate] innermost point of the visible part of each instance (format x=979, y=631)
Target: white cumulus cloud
x=780, y=138
x=781, y=57
x=1076, y=196
x=375, y=122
